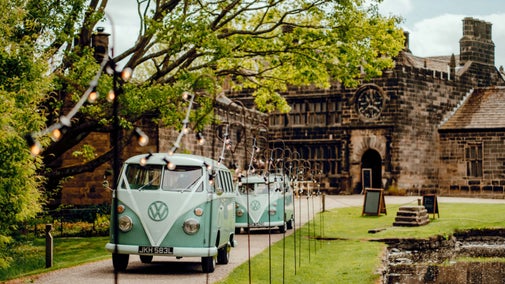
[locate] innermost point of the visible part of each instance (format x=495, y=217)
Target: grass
x=339, y=248
x=29, y=257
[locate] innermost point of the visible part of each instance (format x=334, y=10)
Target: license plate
x=156, y=250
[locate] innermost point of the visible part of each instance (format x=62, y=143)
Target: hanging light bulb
x=200, y=139
x=170, y=165
x=56, y=134
x=33, y=145
x=93, y=96
x=208, y=166
x=143, y=160
x=143, y=139
x=185, y=96
x=185, y=129
x=110, y=96
x=126, y=74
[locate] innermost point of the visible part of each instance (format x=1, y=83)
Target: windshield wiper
x=191, y=185
x=148, y=184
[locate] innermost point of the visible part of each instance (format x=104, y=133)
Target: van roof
x=177, y=159
x=260, y=178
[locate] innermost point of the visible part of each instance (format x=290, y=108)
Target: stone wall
x=454, y=178
x=87, y=188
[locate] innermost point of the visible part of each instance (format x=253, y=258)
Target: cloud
x=436, y=36
x=395, y=7
x=440, y=35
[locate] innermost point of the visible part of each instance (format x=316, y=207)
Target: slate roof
x=484, y=108
x=437, y=63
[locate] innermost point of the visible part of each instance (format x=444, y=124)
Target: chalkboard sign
x=366, y=178
x=431, y=204
x=374, y=202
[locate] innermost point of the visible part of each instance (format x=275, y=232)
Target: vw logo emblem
x=255, y=205
x=157, y=211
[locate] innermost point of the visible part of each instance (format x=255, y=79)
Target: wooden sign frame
x=374, y=202
x=430, y=202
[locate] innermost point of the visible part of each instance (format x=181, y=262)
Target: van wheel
x=223, y=254
x=282, y=228
x=120, y=261
x=146, y=258
x=237, y=231
x=208, y=264
x=290, y=224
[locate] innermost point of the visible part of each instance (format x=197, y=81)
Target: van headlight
x=240, y=213
x=125, y=223
x=272, y=211
x=191, y=226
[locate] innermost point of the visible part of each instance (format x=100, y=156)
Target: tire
x=120, y=261
x=223, y=254
x=282, y=229
x=290, y=224
x=237, y=231
x=208, y=264
x=146, y=258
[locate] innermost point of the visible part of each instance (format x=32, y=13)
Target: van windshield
x=154, y=177
x=143, y=177
x=183, y=178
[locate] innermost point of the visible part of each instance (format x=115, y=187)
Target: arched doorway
x=372, y=160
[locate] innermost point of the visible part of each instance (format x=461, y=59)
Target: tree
x=264, y=46
x=23, y=86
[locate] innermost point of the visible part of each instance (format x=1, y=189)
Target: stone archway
x=372, y=160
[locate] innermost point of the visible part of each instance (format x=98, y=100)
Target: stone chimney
x=476, y=44
x=100, y=44
x=406, y=44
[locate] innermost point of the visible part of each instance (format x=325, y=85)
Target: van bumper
x=176, y=251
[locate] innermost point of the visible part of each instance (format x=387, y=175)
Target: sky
x=435, y=26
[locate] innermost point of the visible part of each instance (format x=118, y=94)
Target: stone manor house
x=429, y=125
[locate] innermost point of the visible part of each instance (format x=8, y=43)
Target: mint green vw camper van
x=176, y=205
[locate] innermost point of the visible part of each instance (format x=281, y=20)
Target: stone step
x=411, y=216
x=410, y=213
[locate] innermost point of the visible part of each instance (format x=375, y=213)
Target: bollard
x=49, y=246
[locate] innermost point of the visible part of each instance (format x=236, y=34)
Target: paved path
x=188, y=270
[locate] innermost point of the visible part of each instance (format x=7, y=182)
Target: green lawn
x=337, y=249
x=29, y=257
x=344, y=253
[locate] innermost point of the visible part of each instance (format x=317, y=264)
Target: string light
x=93, y=96
x=33, y=145
x=170, y=165
x=126, y=74
x=185, y=129
x=56, y=134
x=143, y=139
x=208, y=166
x=110, y=96
x=200, y=139
x=143, y=160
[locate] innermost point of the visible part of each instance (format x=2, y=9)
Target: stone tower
x=476, y=44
